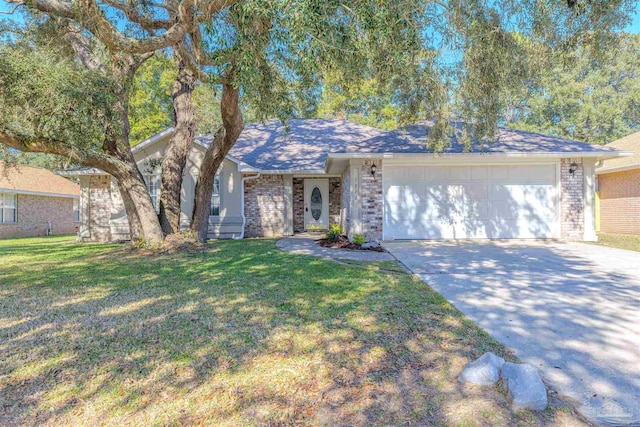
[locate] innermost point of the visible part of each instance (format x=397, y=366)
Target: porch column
x=355, y=198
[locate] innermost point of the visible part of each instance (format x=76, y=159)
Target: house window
x=8, y=208
x=215, y=196
x=76, y=210
x=153, y=188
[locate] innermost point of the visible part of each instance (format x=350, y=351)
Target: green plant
x=334, y=233
x=358, y=239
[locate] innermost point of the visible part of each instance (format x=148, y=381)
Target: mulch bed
x=344, y=243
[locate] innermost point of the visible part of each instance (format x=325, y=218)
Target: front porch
x=308, y=205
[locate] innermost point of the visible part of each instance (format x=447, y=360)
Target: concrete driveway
x=570, y=309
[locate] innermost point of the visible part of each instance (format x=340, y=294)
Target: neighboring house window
x=153, y=188
x=215, y=196
x=8, y=208
x=76, y=210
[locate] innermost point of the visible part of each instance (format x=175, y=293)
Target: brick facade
x=571, y=200
x=364, y=200
x=264, y=206
x=35, y=213
x=620, y=202
x=96, y=206
x=298, y=205
x=372, y=200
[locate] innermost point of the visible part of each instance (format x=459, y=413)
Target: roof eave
x=150, y=141
x=251, y=169
x=599, y=155
x=602, y=171
x=39, y=193
x=81, y=172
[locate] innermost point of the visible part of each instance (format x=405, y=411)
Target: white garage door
x=468, y=202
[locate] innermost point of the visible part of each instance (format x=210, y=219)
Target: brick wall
x=571, y=200
x=298, y=205
x=35, y=213
x=98, y=208
x=264, y=206
x=620, y=202
x=372, y=200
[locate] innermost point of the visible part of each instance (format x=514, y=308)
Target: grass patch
x=238, y=334
x=620, y=241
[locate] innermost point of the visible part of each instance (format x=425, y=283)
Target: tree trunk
x=176, y=155
x=135, y=225
x=223, y=141
x=143, y=219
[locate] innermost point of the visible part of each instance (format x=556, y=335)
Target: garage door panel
x=459, y=173
x=514, y=201
x=404, y=202
x=435, y=173
x=415, y=173
x=498, y=173
x=480, y=173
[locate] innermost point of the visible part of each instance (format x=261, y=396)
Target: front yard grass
x=620, y=241
x=240, y=334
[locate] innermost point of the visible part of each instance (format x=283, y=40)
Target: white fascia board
x=576, y=154
x=80, y=172
x=38, y=193
x=618, y=169
x=240, y=163
x=281, y=171
x=153, y=139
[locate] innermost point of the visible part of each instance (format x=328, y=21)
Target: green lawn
x=620, y=241
x=240, y=334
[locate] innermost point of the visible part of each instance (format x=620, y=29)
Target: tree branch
x=135, y=16
x=82, y=49
x=12, y=11
x=43, y=145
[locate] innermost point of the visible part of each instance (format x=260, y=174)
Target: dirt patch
x=175, y=243
x=344, y=243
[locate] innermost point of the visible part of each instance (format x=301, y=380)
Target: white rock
x=524, y=387
x=483, y=371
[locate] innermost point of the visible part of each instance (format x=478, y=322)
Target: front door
x=316, y=204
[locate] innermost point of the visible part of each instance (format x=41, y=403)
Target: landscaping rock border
x=525, y=389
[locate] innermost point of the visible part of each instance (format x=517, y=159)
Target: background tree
x=580, y=97
x=150, y=106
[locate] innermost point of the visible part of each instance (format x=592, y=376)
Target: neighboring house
x=619, y=189
x=36, y=202
x=384, y=185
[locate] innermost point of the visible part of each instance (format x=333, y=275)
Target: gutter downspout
x=244, y=218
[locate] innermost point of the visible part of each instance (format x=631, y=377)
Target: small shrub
x=334, y=233
x=358, y=239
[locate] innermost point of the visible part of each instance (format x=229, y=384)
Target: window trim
x=76, y=208
x=14, y=208
x=149, y=181
x=217, y=177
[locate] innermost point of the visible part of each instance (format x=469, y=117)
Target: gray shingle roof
x=412, y=139
x=303, y=146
